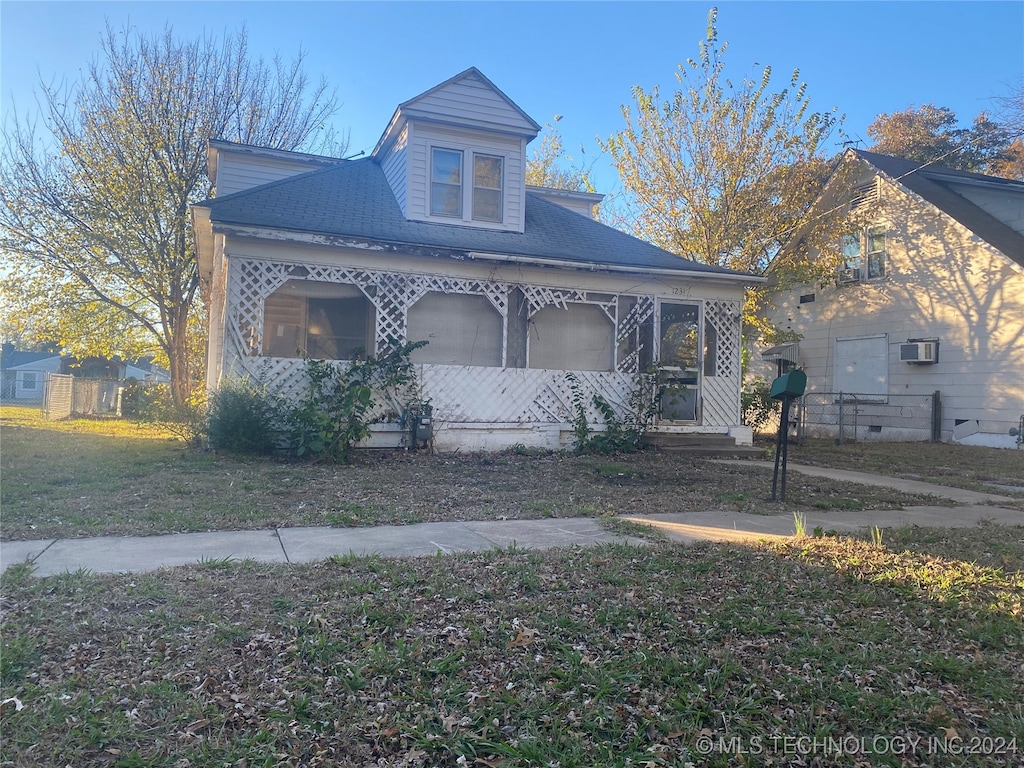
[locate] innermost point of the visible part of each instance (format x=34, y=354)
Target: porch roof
x=355, y=200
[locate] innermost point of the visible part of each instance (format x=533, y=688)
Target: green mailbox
x=789, y=386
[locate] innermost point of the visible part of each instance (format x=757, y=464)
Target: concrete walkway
x=120, y=554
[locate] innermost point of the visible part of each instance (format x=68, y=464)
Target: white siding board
x=236, y=172
x=941, y=283
x=395, y=167
x=472, y=101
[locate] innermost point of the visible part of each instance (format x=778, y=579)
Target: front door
x=679, y=360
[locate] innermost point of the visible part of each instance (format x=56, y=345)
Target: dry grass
x=90, y=478
x=978, y=469
x=813, y=651
x=610, y=656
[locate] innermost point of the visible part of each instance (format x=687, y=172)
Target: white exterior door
x=862, y=366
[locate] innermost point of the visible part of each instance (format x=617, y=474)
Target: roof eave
x=459, y=254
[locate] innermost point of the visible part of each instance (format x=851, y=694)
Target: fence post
x=936, y=417
x=841, y=426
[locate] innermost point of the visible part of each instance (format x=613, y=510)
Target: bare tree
x=94, y=208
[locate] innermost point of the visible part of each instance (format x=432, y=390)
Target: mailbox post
x=786, y=388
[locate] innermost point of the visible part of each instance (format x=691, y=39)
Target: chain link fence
x=850, y=417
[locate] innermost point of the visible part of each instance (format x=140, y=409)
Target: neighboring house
x=929, y=299
x=145, y=370
x=435, y=236
x=23, y=374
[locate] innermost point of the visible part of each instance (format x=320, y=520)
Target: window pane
x=447, y=166
x=283, y=320
x=445, y=200
x=876, y=240
x=876, y=265
x=330, y=321
x=446, y=183
x=487, y=172
x=876, y=252
x=679, y=339
x=851, y=251
x=486, y=205
x=487, y=186
x=337, y=328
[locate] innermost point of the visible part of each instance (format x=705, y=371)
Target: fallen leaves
x=579, y=656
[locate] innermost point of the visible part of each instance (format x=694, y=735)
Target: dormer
x=456, y=154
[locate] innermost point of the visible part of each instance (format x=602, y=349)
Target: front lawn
x=92, y=478
x=807, y=652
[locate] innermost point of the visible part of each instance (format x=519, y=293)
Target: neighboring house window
x=851, y=255
x=487, y=186
x=864, y=255
x=28, y=380
x=446, y=183
x=876, y=252
x=449, y=197
x=461, y=330
x=328, y=321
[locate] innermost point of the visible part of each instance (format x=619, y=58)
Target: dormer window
x=487, y=185
x=446, y=183
x=449, y=197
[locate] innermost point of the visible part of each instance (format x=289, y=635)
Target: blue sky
x=575, y=59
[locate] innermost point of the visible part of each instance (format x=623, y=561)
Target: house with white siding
x=23, y=374
x=928, y=302
x=436, y=237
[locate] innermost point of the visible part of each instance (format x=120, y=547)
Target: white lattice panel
x=628, y=328
x=252, y=281
x=465, y=394
x=721, y=400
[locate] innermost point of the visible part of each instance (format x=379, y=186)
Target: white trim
x=593, y=266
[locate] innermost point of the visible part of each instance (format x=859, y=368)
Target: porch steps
x=701, y=445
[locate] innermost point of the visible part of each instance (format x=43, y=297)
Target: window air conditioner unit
x=849, y=275
x=918, y=352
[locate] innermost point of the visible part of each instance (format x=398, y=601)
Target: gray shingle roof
x=354, y=200
x=933, y=183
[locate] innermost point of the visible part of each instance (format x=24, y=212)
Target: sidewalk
x=119, y=554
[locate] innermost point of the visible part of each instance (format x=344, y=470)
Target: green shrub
x=756, y=407
x=622, y=434
x=336, y=411
x=153, y=404
x=245, y=418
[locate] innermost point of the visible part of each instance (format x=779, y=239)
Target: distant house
x=145, y=370
x=929, y=299
x=435, y=236
x=23, y=374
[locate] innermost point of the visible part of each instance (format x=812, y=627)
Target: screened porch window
x=461, y=330
x=324, y=321
x=578, y=338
